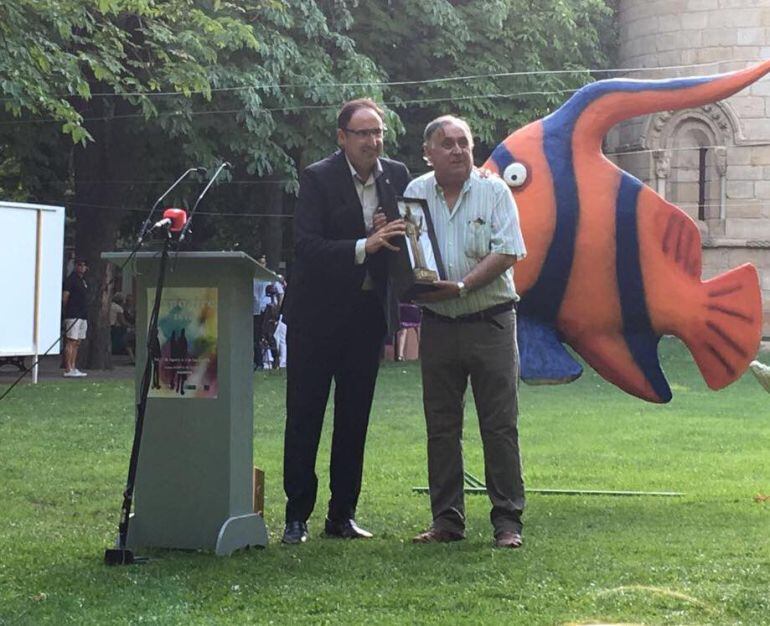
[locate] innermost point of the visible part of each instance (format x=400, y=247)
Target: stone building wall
x=713, y=161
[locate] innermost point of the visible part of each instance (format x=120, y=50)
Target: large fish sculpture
x=611, y=265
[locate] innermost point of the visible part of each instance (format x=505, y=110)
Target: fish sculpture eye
x=515, y=174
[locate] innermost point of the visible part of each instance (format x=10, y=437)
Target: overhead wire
x=729, y=205
x=139, y=209
x=287, y=181
x=302, y=107
x=402, y=83
x=400, y=102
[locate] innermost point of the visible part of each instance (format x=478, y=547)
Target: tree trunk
x=272, y=240
x=97, y=221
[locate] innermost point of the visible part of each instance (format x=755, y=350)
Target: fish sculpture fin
x=720, y=320
x=639, y=374
x=605, y=103
x=543, y=358
x=726, y=330
x=682, y=243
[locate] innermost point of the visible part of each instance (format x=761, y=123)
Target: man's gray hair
x=442, y=121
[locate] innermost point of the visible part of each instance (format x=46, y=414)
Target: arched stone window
x=693, y=181
x=689, y=150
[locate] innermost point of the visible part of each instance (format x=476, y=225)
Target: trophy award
x=418, y=265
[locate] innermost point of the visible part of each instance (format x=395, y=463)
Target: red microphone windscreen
x=178, y=218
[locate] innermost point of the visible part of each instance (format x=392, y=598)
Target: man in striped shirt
x=469, y=332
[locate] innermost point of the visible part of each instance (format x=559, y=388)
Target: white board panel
x=18, y=235
x=51, y=279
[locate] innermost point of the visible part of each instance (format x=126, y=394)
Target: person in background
x=75, y=304
x=280, y=327
x=271, y=359
x=118, y=324
x=279, y=287
x=129, y=314
x=259, y=302
x=410, y=315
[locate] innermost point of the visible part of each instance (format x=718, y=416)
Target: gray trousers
x=485, y=352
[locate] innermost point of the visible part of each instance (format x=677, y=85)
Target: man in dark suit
x=339, y=307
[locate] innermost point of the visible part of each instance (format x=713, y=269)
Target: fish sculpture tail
x=724, y=333
x=607, y=102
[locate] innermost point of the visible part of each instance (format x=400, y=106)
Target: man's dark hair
x=347, y=110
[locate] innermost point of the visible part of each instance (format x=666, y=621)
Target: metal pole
x=36, y=317
x=572, y=492
x=475, y=486
x=122, y=555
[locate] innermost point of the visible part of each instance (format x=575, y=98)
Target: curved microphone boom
x=225, y=166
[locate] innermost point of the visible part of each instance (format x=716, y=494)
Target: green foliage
x=99, y=98
x=285, y=67
x=437, y=39
x=127, y=46
x=174, y=83
x=700, y=559
x=130, y=48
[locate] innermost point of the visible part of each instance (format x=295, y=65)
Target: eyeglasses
x=366, y=132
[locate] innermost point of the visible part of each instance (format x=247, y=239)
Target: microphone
x=226, y=165
x=146, y=228
x=173, y=219
x=166, y=221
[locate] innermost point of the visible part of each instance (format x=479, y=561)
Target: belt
x=487, y=315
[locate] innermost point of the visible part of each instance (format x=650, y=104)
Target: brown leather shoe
x=437, y=535
x=508, y=539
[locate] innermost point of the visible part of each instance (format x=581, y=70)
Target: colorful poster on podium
x=185, y=360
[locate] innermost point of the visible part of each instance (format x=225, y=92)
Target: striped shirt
x=484, y=219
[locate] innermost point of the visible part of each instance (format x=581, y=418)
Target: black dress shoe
x=438, y=535
x=508, y=539
x=295, y=532
x=345, y=529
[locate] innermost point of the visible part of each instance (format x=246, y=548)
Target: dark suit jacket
x=327, y=222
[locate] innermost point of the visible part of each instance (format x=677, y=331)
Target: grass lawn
x=699, y=559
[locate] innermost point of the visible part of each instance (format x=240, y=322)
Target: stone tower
x=714, y=161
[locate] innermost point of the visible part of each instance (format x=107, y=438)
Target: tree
x=142, y=88
x=429, y=46
x=103, y=99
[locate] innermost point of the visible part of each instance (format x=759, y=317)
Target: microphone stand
x=147, y=223
x=186, y=229
x=121, y=555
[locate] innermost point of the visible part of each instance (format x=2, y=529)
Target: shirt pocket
x=478, y=235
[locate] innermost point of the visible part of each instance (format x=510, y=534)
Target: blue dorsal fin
x=543, y=358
